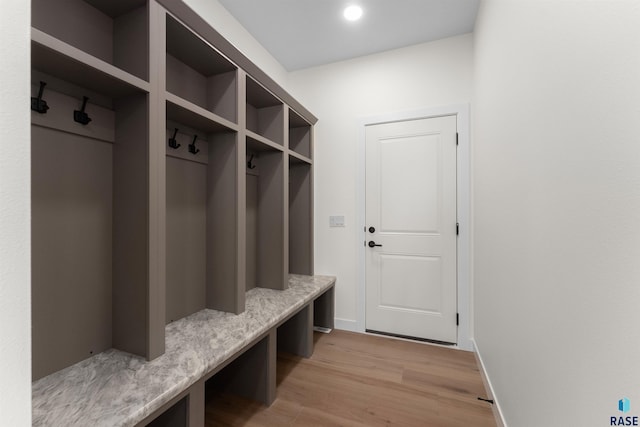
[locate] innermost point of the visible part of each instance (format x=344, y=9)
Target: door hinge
x=456, y=138
x=457, y=228
x=457, y=319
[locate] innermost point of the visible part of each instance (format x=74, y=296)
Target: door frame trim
x=461, y=111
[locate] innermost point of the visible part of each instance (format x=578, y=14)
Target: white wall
x=557, y=204
x=225, y=24
x=425, y=75
x=15, y=230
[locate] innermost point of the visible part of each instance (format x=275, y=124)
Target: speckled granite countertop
x=114, y=388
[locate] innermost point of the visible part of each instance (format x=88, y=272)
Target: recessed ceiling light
x=353, y=13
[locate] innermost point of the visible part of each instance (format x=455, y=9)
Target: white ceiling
x=306, y=33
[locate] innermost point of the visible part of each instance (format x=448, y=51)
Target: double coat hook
x=38, y=104
x=79, y=115
x=192, y=146
x=172, y=141
x=250, y=164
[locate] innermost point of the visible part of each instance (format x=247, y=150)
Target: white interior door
x=411, y=283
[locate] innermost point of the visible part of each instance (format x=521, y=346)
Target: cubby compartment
x=265, y=216
x=251, y=374
x=299, y=135
x=324, y=311
x=115, y=32
x=90, y=227
x=197, y=73
x=175, y=416
x=201, y=217
x=300, y=217
x=295, y=336
x=265, y=113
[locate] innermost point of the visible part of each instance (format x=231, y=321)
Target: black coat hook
x=250, y=164
x=79, y=115
x=172, y=141
x=38, y=104
x=192, y=146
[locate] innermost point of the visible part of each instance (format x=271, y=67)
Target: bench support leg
x=195, y=414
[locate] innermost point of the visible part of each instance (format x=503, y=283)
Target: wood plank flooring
x=364, y=380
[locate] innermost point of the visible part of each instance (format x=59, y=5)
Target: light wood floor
x=363, y=380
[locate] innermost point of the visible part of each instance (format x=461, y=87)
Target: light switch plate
x=336, y=221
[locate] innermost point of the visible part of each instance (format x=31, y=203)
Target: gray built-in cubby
x=299, y=135
x=264, y=113
x=300, y=219
x=201, y=219
x=90, y=183
x=198, y=73
x=201, y=144
x=265, y=215
x=300, y=216
x=113, y=32
x=132, y=229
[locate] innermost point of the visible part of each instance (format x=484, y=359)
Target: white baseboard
x=466, y=345
x=497, y=412
x=346, y=325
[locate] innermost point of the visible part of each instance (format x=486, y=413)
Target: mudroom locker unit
x=171, y=182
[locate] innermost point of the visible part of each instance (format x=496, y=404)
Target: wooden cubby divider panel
x=271, y=222
x=115, y=32
x=252, y=232
x=225, y=290
x=131, y=226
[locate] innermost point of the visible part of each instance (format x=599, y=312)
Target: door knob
x=372, y=230
x=372, y=244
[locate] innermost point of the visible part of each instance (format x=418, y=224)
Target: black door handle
x=372, y=244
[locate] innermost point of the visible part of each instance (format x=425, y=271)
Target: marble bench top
x=115, y=388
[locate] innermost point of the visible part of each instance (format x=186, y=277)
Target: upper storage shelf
x=199, y=74
x=299, y=135
x=53, y=57
x=182, y=111
x=115, y=32
x=265, y=113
